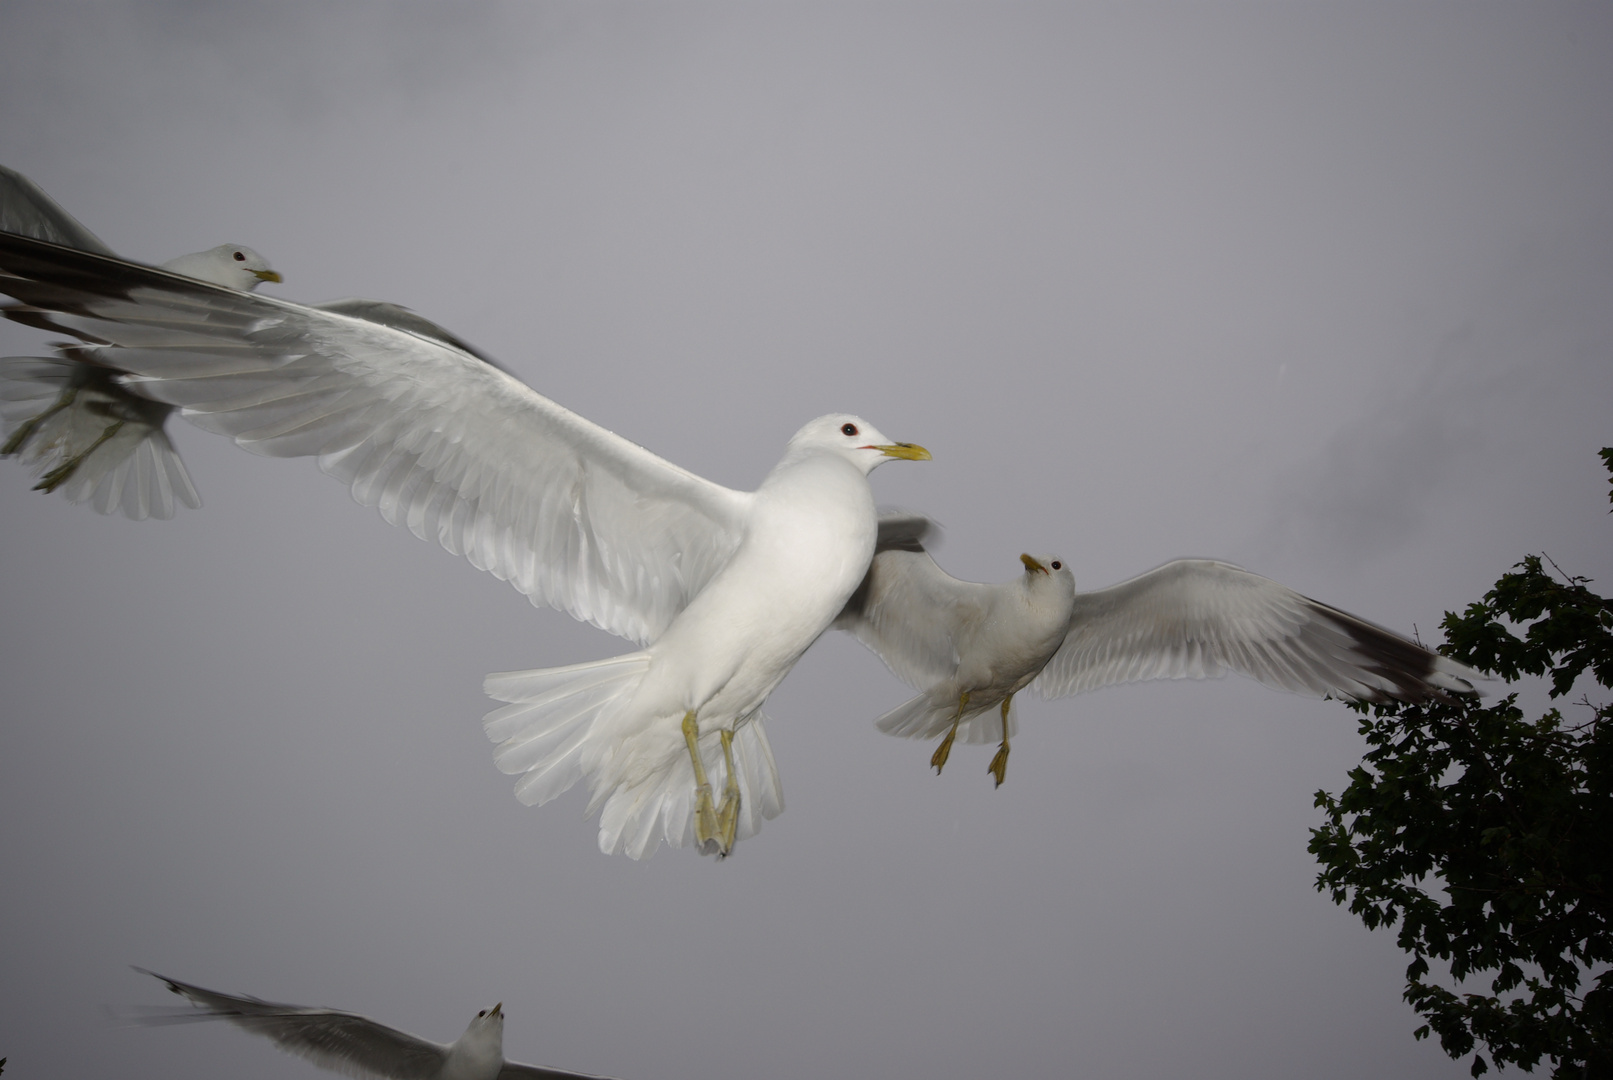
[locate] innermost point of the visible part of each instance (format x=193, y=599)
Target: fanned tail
x=57, y=409
x=661, y=807
x=926, y=717
x=542, y=733
x=566, y=724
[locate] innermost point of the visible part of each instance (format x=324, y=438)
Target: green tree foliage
x=1488, y=837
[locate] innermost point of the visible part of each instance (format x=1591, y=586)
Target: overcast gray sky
x=1323, y=290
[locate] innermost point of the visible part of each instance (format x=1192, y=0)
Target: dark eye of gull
x=848, y=429
x=482, y=1013
x=239, y=257
x=1058, y=565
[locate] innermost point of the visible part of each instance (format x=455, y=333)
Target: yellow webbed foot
x=20, y=437
x=706, y=832
x=944, y=751
x=728, y=813
x=53, y=479
x=999, y=764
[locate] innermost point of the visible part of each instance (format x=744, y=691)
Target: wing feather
x=574, y=516
x=26, y=209
x=909, y=611
x=514, y=1071
x=1195, y=618
x=342, y=1042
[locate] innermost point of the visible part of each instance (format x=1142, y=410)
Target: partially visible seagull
x=358, y=1046
x=971, y=647
x=725, y=589
x=70, y=416
x=88, y=434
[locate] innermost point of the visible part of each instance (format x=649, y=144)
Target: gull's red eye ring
x=849, y=430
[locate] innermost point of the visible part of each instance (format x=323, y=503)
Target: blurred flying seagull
x=70, y=416
x=358, y=1046
x=89, y=434
x=971, y=647
x=725, y=588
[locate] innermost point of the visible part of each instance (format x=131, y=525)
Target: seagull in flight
x=80, y=423
x=970, y=647
x=723, y=590
x=358, y=1046
x=70, y=416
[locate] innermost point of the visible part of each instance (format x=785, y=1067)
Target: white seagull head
x=1048, y=574
x=233, y=266
x=854, y=439
x=481, y=1048
x=489, y=1020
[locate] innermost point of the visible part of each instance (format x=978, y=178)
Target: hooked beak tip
x=268, y=275
x=1032, y=564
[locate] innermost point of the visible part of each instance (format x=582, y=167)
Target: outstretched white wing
x=1194, y=618
x=572, y=515
x=342, y=1042
x=908, y=610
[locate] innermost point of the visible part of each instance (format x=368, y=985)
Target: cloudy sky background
x=1326, y=291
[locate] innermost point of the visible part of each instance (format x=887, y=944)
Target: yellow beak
x=268, y=275
x=496, y=1008
x=905, y=450
x=1032, y=564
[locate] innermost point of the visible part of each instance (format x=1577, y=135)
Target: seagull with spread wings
x=355, y=1045
x=724, y=589
x=970, y=647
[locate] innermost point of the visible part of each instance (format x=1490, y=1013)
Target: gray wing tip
x=903, y=530
x=26, y=210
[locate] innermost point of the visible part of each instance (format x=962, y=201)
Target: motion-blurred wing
x=907, y=610
x=28, y=211
x=1193, y=618
x=513, y=1071
x=343, y=1042
x=572, y=515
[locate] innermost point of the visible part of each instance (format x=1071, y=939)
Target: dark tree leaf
x=1487, y=838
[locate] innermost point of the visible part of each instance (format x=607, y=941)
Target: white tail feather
x=563, y=724
x=633, y=819
x=923, y=717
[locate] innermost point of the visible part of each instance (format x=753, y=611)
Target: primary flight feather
x=725, y=589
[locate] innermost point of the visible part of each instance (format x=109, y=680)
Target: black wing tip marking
x=53, y=276
x=1412, y=672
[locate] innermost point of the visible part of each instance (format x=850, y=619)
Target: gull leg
x=705, y=814
x=57, y=476
x=999, y=764
x=26, y=431
x=728, y=812
x=942, y=752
